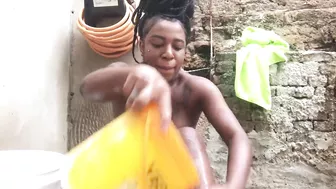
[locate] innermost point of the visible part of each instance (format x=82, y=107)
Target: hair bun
x=171, y=8
x=181, y=10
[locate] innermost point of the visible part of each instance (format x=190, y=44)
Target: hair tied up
x=179, y=9
x=182, y=10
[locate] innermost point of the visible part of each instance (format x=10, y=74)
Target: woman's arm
x=105, y=84
x=138, y=84
x=228, y=127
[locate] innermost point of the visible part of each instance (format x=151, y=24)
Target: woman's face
x=164, y=47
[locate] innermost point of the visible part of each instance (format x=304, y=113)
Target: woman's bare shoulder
x=198, y=82
x=200, y=85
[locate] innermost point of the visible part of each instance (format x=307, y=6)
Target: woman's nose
x=168, y=53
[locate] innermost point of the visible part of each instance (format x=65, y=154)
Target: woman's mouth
x=165, y=70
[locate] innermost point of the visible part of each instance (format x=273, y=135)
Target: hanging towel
x=260, y=49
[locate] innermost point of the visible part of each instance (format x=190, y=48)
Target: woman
x=164, y=31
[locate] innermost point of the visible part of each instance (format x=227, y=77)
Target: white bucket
x=30, y=169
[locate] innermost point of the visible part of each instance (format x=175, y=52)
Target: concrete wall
x=294, y=142
x=34, y=73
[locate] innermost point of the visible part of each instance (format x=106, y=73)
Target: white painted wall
x=34, y=74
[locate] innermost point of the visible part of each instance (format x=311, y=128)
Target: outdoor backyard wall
x=34, y=73
x=294, y=142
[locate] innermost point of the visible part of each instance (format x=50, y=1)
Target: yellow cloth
x=132, y=152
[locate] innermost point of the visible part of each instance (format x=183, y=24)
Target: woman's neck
x=175, y=80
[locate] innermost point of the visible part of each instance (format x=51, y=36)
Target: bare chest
x=185, y=109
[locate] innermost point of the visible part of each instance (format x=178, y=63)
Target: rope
x=211, y=34
x=112, y=41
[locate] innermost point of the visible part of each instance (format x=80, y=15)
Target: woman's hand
x=145, y=84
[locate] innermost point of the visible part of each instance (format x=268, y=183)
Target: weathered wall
x=34, y=71
x=298, y=133
x=294, y=143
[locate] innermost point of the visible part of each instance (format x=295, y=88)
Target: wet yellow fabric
x=132, y=152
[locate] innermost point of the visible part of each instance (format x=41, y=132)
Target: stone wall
x=294, y=142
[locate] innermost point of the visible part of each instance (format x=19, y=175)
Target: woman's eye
x=178, y=46
x=157, y=45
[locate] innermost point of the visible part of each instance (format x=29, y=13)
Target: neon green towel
x=260, y=49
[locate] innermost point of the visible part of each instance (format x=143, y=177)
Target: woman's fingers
x=142, y=94
x=141, y=91
x=164, y=102
x=132, y=88
x=143, y=98
x=131, y=98
x=129, y=85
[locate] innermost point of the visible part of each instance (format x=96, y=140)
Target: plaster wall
x=34, y=77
